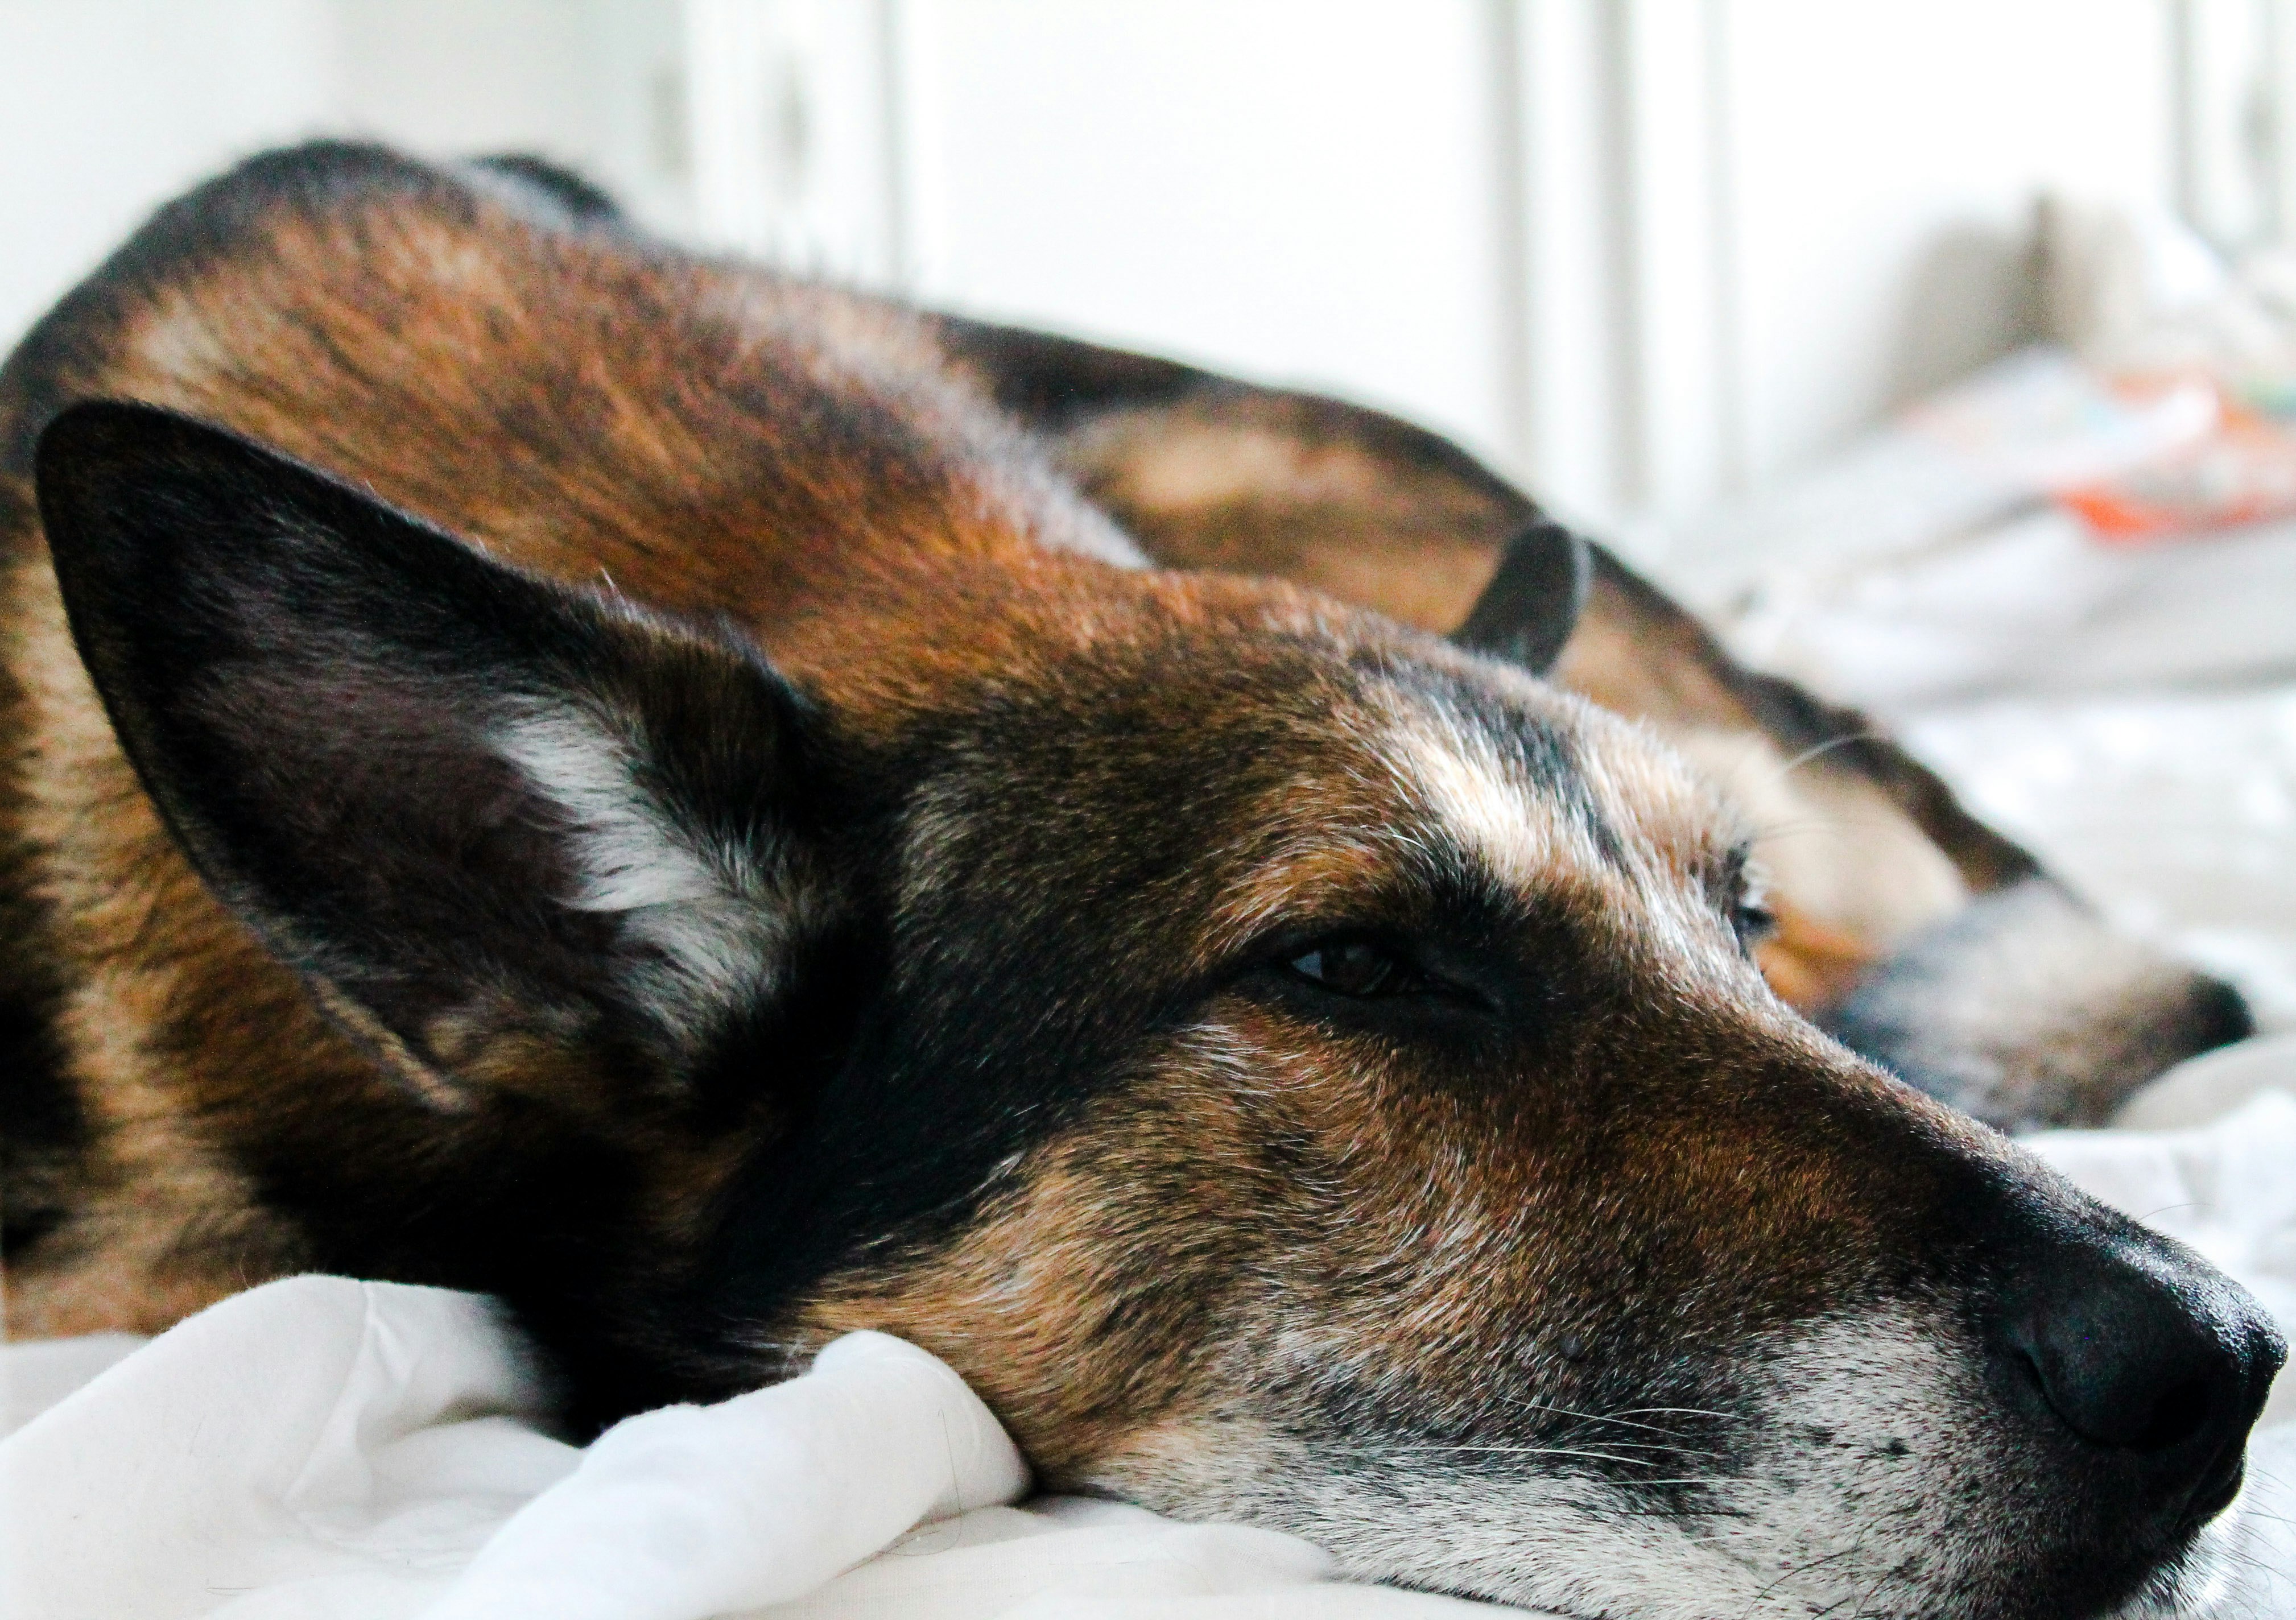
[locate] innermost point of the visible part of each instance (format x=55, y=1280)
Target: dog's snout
x=2141, y=1352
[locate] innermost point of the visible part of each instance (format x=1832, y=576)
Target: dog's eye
x=1753, y=922
x=1751, y=919
x=1351, y=965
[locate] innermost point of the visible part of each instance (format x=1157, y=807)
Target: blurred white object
x=1939, y=558
x=698, y=1510
x=324, y=1447
x=1928, y=562
x=2028, y=604
x=2111, y=276
x=2134, y=291
x=1992, y=445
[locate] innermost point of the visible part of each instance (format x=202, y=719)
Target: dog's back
x=551, y=386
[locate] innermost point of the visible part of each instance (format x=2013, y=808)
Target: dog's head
x=1296, y=1071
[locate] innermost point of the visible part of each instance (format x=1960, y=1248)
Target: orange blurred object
x=2242, y=471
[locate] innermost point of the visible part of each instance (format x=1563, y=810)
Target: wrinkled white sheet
x=321, y=1447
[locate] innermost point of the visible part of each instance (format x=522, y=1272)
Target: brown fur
x=1029, y=861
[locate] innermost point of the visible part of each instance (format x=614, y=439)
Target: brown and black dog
x=544, y=765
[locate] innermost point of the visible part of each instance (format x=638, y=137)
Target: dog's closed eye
x=1753, y=922
x=1390, y=976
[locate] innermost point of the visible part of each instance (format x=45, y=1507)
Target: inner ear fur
x=478, y=811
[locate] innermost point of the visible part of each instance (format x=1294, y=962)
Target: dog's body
x=800, y=870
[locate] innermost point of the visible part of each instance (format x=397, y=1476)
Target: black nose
x=2144, y=1351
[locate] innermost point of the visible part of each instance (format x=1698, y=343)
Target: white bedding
x=321, y=1447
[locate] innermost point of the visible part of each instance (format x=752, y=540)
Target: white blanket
x=321, y=1447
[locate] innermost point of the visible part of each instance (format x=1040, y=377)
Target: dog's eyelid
x=1754, y=923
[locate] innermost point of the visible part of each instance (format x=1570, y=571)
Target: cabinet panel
x=1299, y=189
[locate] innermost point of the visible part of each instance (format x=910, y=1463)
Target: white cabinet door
x=1301, y=190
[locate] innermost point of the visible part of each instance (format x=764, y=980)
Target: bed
x=326, y=1447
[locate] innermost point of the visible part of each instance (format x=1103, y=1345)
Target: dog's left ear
x=502, y=827
x=1534, y=600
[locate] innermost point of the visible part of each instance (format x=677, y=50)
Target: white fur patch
x=710, y=932
x=1529, y=839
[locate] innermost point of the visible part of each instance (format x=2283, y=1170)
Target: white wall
x=109, y=106
x=1882, y=165
x=1755, y=225
x=1303, y=189
x=595, y=84
x=1645, y=251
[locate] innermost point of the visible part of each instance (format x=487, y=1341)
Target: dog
x=721, y=811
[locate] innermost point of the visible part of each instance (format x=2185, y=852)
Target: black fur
x=305, y=682
x=1534, y=600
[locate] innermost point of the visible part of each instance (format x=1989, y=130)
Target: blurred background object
x=1645, y=254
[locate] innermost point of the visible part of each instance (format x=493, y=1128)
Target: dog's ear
x=494, y=821
x=1534, y=600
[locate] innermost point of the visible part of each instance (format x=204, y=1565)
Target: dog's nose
x=2142, y=1352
